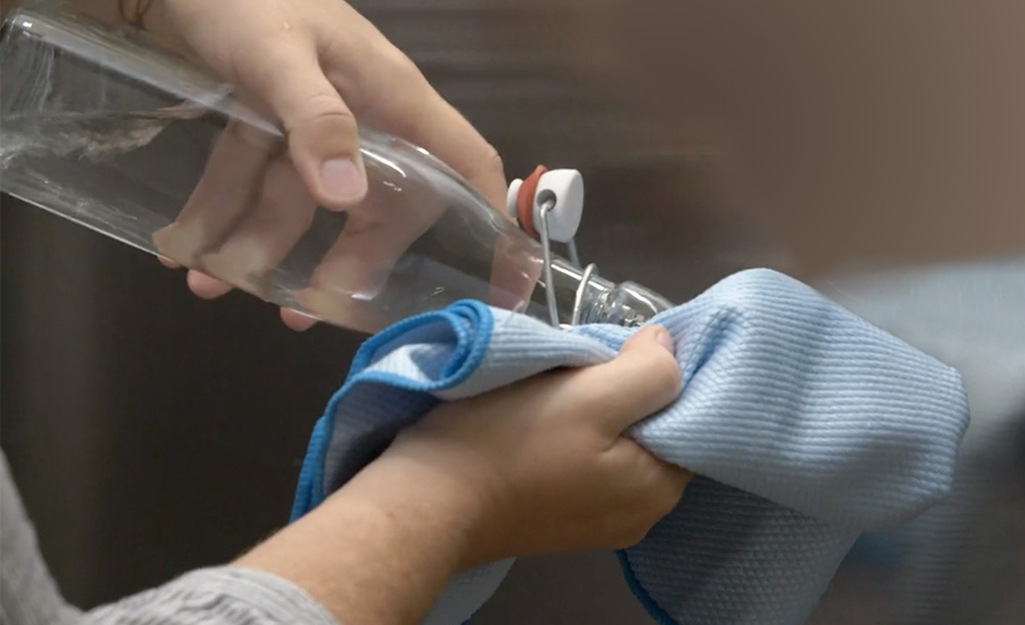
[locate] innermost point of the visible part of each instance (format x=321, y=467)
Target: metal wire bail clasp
x=549, y=205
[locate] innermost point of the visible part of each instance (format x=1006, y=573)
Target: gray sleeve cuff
x=222, y=595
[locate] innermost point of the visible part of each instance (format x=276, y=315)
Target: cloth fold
x=806, y=425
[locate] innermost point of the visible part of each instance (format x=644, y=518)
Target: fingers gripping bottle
x=105, y=130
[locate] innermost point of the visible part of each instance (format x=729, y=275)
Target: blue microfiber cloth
x=805, y=424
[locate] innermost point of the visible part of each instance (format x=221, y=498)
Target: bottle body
x=141, y=146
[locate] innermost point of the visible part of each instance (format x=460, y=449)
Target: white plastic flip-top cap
x=511, y=196
x=563, y=186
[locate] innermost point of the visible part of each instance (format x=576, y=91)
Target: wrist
x=456, y=480
x=361, y=565
x=392, y=532
x=425, y=502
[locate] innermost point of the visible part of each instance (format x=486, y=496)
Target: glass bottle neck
x=585, y=297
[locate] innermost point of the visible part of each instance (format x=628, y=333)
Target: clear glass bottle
x=141, y=146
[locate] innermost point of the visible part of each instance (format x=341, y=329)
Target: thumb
x=642, y=380
x=323, y=139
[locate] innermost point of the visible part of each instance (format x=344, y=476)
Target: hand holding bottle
x=251, y=209
x=319, y=66
x=153, y=151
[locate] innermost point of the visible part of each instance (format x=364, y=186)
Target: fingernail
x=167, y=262
x=304, y=315
x=665, y=340
x=343, y=180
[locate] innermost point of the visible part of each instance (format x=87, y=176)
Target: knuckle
x=400, y=65
x=664, y=501
x=390, y=66
x=667, y=491
x=491, y=163
x=264, y=55
x=328, y=106
x=385, y=75
x=630, y=535
x=636, y=516
x=664, y=372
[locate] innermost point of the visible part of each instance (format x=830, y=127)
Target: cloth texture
x=806, y=426
x=223, y=595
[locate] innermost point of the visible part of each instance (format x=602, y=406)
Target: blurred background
x=875, y=149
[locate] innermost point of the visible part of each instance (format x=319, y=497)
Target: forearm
x=378, y=552
x=224, y=595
